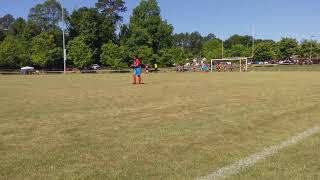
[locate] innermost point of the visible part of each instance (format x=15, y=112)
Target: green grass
x=297, y=162
x=176, y=126
x=315, y=67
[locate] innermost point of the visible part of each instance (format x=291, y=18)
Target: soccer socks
x=134, y=80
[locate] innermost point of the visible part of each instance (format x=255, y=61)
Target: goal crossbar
x=240, y=59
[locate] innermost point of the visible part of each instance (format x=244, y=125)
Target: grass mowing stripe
x=235, y=168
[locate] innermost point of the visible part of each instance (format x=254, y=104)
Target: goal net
x=229, y=65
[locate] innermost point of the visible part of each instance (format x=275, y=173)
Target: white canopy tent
x=27, y=68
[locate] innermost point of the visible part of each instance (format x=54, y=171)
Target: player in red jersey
x=137, y=70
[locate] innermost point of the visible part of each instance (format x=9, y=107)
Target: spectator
x=156, y=67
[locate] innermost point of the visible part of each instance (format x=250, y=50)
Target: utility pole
x=252, y=43
x=253, y=47
x=64, y=42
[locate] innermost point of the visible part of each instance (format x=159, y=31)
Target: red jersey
x=137, y=63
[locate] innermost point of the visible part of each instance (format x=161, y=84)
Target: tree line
x=98, y=35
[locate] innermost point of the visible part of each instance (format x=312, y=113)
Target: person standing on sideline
x=147, y=69
x=156, y=67
x=137, y=70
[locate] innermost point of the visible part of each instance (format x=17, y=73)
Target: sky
x=266, y=19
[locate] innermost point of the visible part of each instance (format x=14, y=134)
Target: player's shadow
x=137, y=84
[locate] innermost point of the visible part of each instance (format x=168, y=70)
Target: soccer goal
x=229, y=64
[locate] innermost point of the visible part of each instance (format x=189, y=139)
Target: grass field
x=288, y=68
x=295, y=163
x=176, y=126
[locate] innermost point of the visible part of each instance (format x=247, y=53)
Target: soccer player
x=218, y=67
x=231, y=67
x=137, y=70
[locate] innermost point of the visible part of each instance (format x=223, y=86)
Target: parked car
x=87, y=70
x=69, y=69
x=95, y=67
x=287, y=62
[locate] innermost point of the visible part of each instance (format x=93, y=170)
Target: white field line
x=240, y=165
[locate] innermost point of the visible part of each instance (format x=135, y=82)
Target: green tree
x=47, y=15
x=23, y=30
x=179, y=56
x=258, y=41
x=14, y=53
x=2, y=35
x=44, y=50
x=124, y=34
x=195, y=43
x=308, y=48
x=79, y=52
x=264, y=51
x=19, y=33
x=145, y=54
x=17, y=27
x=212, y=49
x=181, y=40
x=316, y=50
x=192, y=43
x=166, y=57
x=113, y=55
x=238, y=51
x=8, y=52
x=92, y=25
x=209, y=37
x=148, y=29
x=30, y=30
x=6, y=21
x=112, y=9
x=246, y=41
x=287, y=47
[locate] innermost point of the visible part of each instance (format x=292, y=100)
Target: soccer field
x=286, y=68
x=176, y=126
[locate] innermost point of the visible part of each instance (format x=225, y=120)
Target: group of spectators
x=203, y=67
x=147, y=68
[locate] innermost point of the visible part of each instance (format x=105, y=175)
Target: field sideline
x=176, y=126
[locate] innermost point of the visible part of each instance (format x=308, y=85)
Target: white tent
x=27, y=68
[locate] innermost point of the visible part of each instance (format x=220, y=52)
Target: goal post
x=242, y=61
